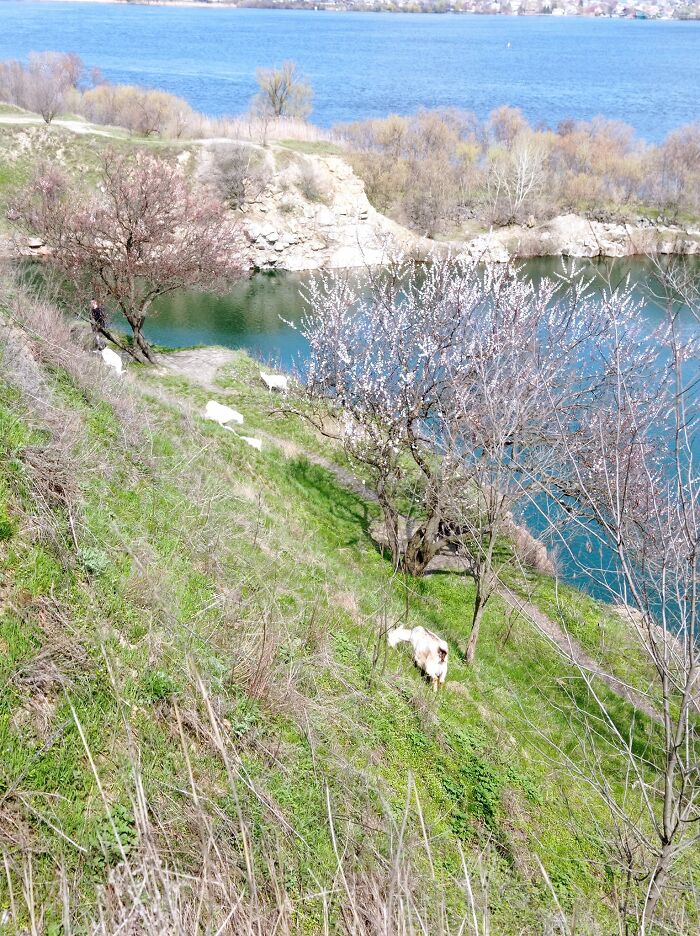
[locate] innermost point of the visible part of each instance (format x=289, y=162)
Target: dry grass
x=256, y=130
x=37, y=337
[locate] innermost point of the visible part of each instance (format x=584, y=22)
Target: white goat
x=429, y=651
x=221, y=414
x=112, y=359
x=252, y=442
x=275, y=381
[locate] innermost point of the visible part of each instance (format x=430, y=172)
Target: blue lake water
x=370, y=64
x=255, y=314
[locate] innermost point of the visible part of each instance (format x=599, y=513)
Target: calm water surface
x=255, y=313
x=370, y=64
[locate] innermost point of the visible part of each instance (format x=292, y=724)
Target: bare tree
x=142, y=111
x=43, y=84
x=496, y=425
x=506, y=124
x=283, y=92
x=628, y=483
x=13, y=83
x=238, y=173
x=516, y=174
x=50, y=75
x=431, y=380
x=524, y=343
x=146, y=231
x=374, y=382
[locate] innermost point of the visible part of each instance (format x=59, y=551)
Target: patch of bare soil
x=200, y=365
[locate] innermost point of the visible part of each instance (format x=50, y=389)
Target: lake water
x=255, y=313
x=370, y=64
x=258, y=315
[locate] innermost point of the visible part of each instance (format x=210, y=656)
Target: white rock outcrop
x=334, y=228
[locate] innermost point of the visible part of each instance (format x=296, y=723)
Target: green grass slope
x=201, y=729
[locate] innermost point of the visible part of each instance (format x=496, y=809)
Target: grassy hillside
x=201, y=729
x=27, y=143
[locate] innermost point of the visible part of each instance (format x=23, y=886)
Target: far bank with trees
x=307, y=198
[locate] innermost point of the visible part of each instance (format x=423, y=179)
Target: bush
x=237, y=173
x=675, y=169
x=310, y=183
x=439, y=168
x=415, y=167
x=143, y=112
x=43, y=84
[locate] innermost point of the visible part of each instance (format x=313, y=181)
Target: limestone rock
x=295, y=225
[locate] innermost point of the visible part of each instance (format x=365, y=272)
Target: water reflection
x=254, y=314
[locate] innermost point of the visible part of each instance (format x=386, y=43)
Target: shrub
x=310, y=184
x=43, y=84
x=238, y=173
x=143, y=112
x=438, y=168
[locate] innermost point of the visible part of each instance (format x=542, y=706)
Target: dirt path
x=81, y=127
x=575, y=653
x=201, y=366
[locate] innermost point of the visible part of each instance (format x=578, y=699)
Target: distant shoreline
x=294, y=7
x=164, y=3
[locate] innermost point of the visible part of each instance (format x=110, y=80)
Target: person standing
x=98, y=324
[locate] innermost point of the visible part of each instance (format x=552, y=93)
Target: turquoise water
x=370, y=64
x=250, y=316
x=255, y=313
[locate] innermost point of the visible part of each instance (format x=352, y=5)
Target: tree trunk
x=420, y=550
x=656, y=887
x=391, y=524
x=141, y=349
x=423, y=545
x=479, y=604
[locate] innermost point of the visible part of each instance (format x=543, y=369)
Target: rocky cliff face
x=575, y=236
x=314, y=214
x=330, y=224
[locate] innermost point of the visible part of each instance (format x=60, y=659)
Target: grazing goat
x=112, y=359
x=275, y=381
x=252, y=442
x=429, y=651
x=221, y=414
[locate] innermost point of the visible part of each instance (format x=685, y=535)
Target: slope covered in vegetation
x=201, y=728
